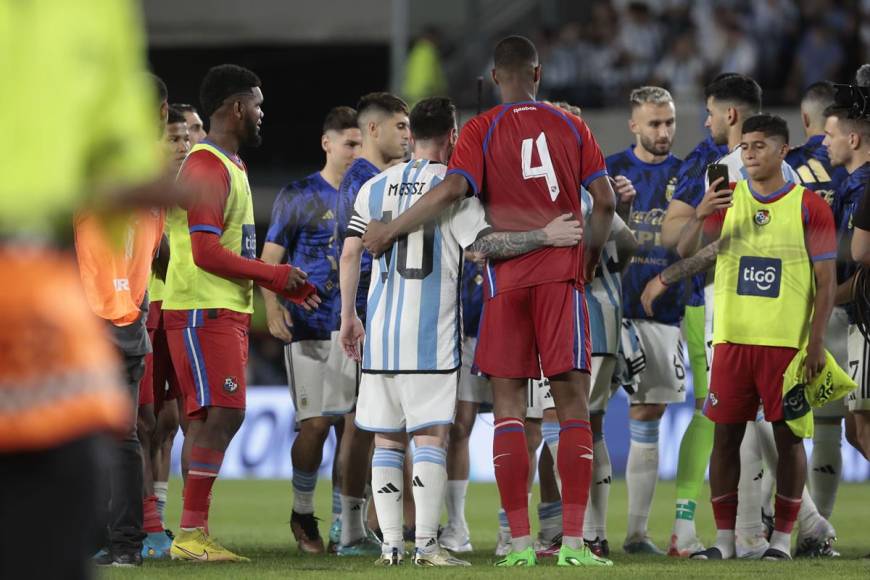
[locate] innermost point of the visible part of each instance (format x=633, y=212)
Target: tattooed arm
x=563, y=231
x=685, y=268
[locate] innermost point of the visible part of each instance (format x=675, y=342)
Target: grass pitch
x=252, y=517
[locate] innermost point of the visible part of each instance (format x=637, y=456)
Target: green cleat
x=525, y=558
x=582, y=556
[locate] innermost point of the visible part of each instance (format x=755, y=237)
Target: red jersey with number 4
x=527, y=161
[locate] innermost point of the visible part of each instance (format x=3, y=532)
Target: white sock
x=161, y=490
x=684, y=528
x=808, y=514
x=770, y=459
x=641, y=474
x=457, y=489
x=550, y=433
x=387, y=489
x=429, y=477
x=595, y=519
x=352, y=522
x=749, y=488
x=725, y=543
x=550, y=520
x=826, y=465
x=781, y=541
x=768, y=484
x=304, y=484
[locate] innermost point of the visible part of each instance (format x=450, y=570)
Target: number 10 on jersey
x=545, y=169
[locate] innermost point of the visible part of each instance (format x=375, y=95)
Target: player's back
x=813, y=166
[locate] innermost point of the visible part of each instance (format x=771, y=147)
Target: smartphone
x=714, y=172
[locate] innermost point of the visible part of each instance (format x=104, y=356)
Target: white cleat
x=751, y=547
x=684, y=547
x=437, y=557
x=456, y=540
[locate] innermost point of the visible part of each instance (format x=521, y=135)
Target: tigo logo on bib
x=759, y=277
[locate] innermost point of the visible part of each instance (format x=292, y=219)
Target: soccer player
x=527, y=161
x=775, y=263
x=847, y=138
x=813, y=165
x=322, y=380
x=194, y=122
x=652, y=169
x=383, y=121
x=413, y=301
x=208, y=299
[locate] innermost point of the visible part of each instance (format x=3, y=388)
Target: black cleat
x=599, y=547
x=774, y=555
x=813, y=548
x=127, y=560
x=713, y=553
x=307, y=533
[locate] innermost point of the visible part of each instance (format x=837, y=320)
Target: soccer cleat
x=307, y=534
x=774, y=555
x=582, y=556
x=684, y=549
x=503, y=545
x=525, y=558
x=547, y=548
x=643, y=546
x=750, y=547
x=713, y=553
x=599, y=547
x=156, y=545
x=817, y=541
x=195, y=546
x=391, y=558
x=455, y=539
x=334, y=536
x=437, y=557
x=366, y=546
x=128, y=560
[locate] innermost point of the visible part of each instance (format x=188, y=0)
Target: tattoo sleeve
x=501, y=245
x=688, y=267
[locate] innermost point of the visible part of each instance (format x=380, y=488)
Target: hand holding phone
x=718, y=195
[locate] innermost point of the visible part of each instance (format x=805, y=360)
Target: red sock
x=204, y=467
x=511, y=459
x=725, y=511
x=151, y=517
x=785, y=513
x=575, y=466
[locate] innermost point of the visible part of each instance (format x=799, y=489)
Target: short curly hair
x=223, y=81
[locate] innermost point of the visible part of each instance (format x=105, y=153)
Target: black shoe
x=599, y=547
x=713, y=553
x=307, y=533
x=127, y=560
x=813, y=548
x=774, y=555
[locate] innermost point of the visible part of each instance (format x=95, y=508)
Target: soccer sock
x=303, y=491
x=641, y=474
x=575, y=465
x=550, y=519
x=595, y=522
x=204, y=467
x=457, y=489
x=768, y=483
x=150, y=516
x=388, y=487
x=826, y=465
x=786, y=509
x=725, y=514
x=336, y=503
x=503, y=526
x=550, y=433
x=749, y=488
x=352, y=519
x=695, y=449
x=808, y=514
x=161, y=491
x=770, y=459
x=429, y=477
x=510, y=458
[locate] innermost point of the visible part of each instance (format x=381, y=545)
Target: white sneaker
x=751, y=547
x=437, y=557
x=503, y=546
x=455, y=539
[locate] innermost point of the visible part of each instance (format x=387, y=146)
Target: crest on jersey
x=231, y=385
x=762, y=217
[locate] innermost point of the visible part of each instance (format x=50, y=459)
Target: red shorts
x=527, y=331
x=741, y=376
x=209, y=350
x=159, y=383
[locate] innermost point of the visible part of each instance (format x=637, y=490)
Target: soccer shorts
x=209, y=350
x=742, y=375
x=664, y=378
x=836, y=341
x=859, y=367
x=527, y=331
x=392, y=403
x=602, y=384
x=604, y=318
x=539, y=398
x=323, y=380
x=158, y=384
x=473, y=388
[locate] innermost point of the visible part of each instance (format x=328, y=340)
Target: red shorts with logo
x=159, y=383
x=209, y=350
x=527, y=331
x=741, y=376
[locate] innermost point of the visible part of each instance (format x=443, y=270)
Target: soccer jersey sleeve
x=360, y=217
x=285, y=218
x=211, y=185
x=591, y=158
x=862, y=214
x=467, y=158
x=617, y=226
x=821, y=233
x=468, y=221
x=690, y=182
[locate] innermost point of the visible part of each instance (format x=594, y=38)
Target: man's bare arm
x=678, y=215
x=563, y=231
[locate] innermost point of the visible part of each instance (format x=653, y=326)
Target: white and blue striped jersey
x=413, y=321
x=737, y=171
x=604, y=293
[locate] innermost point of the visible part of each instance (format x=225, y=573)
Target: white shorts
x=472, y=388
x=539, y=398
x=602, y=383
x=664, y=378
x=323, y=380
x=859, y=370
x=604, y=319
x=392, y=403
x=836, y=341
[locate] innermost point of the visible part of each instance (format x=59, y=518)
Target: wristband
x=662, y=280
